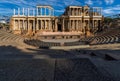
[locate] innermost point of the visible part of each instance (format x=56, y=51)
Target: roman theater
x=81, y=44
x=74, y=22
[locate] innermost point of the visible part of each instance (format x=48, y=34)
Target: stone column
x=72, y=11
x=81, y=26
x=37, y=24
x=42, y=24
x=28, y=11
x=23, y=12
x=68, y=11
x=14, y=24
x=69, y=25
x=28, y=26
x=80, y=12
x=77, y=12
x=34, y=25
x=49, y=12
x=37, y=11
x=73, y=25
x=93, y=24
x=93, y=12
x=23, y=25
x=45, y=12
x=49, y=25
x=53, y=12
x=14, y=12
x=18, y=11
x=88, y=26
x=56, y=29
x=18, y=24
x=41, y=11
x=33, y=12
x=77, y=25
x=63, y=25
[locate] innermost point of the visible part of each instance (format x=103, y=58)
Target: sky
x=109, y=7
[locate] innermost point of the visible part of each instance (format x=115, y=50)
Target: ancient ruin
x=76, y=20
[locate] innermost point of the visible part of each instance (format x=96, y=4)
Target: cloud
x=89, y=2
x=112, y=10
x=7, y=6
x=58, y=5
x=109, y=1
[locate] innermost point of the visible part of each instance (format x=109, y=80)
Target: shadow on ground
x=16, y=65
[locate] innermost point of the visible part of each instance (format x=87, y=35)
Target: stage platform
x=59, y=35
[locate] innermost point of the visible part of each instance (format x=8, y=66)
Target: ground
x=22, y=62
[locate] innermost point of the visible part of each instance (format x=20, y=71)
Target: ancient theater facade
x=79, y=19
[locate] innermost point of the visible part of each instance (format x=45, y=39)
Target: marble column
x=49, y=12
x=41, y=24
x=14, y=12
x=18, y=11
x=14, y=24
x=41, y=11
x=44, y=24
x=69, y=13
x=77, y=11
x=18, y=24
x=33, y=12
x=63, y=25
x=37, y=11
x=45, y=12
x=48, y=24
x=28, y=11
x=28, y=26
x=34, y=25
x=93, y=24
x=23, y=11
x=81, y=27
x=53, y=12
x=73, y=25
x=23, y=25
x=77, y=25
x=69, y=25
x=37, y=24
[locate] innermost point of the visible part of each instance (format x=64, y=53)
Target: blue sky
x=110, y=7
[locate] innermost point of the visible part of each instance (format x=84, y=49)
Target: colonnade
x=45, y=11
x=75, y=11
x=79, y=11
x=44, y=24
x=95, y=24
x=39, y=11
x=97, y=11
x=24, y=12
x=74, y=25
x=22, y=24
x=33, y=25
